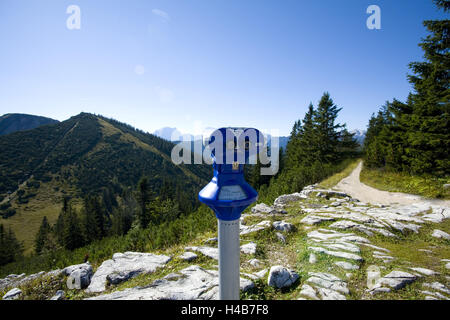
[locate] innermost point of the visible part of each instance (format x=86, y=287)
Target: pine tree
x=60, y=222
x=308, y=148
x=414, y=136
x=72, y=235
x=10, y=248
x=42, y=236
x=299, y=149
x=348, y=146
x=144, y=197
x=327, y=133
x=428, y=136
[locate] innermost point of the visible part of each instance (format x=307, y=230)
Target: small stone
x=261, y=274
x=13, y=294
x=312, y=258
x=286, y=198
x=79, y=276
x=59, y=295
x=255, y=263
x=249, y=248
x=254, y=228
x=263, y=208
x=281, y=277
x=283, y=226
x=280, y=237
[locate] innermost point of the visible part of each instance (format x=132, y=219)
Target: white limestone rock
x=328, y=281
x=281, y=277
x=59, y=295
x=440, y=234
x=315, y=219
x=437, y=286
x=287, y=198
x=424, y=271
x=191, y=283
x=339, y=254
x=210, y=252
x=396, y=280
x=124, y=266
x=261, y=274
x=263, y=208
x=255, y=263
x=340, y=245
x=249, y=248
x=346, y=265
x=188, y=256
x=254, y=228
x=283, y=226
x=80, y=275
x=309, y=292
x=281, y=237
x=347, y=224
x=12, y=294
x=328, y=294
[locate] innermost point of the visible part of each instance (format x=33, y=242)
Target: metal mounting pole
x=229, y=260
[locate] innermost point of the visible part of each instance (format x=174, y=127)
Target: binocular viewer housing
x=228, y=194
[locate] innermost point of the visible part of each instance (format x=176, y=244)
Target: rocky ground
x=313, y=245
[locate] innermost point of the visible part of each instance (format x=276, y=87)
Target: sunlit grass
x=426, y=186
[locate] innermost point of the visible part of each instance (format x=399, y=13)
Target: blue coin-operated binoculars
x=228, y=194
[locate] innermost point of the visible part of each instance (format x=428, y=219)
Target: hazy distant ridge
x=13, y=122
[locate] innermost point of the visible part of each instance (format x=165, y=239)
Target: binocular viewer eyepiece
x=228, y=194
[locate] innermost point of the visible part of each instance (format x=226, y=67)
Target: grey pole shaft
x=229, y=260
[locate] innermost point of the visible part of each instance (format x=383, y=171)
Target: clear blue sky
x=200, y=63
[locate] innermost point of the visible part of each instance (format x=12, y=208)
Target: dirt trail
x=354, y=187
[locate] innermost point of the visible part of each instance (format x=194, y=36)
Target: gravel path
x=354, y=187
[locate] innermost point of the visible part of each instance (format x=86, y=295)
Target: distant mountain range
x=359, y=135
x=12, y=122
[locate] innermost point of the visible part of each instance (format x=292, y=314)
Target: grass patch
x=334, y=179
x=426, y=186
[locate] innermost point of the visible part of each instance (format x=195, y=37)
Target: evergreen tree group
x=318, y=147
x=414, y=136
x=100, y=217
x=10, y=248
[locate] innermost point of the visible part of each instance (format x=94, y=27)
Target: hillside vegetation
x=85, y=155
